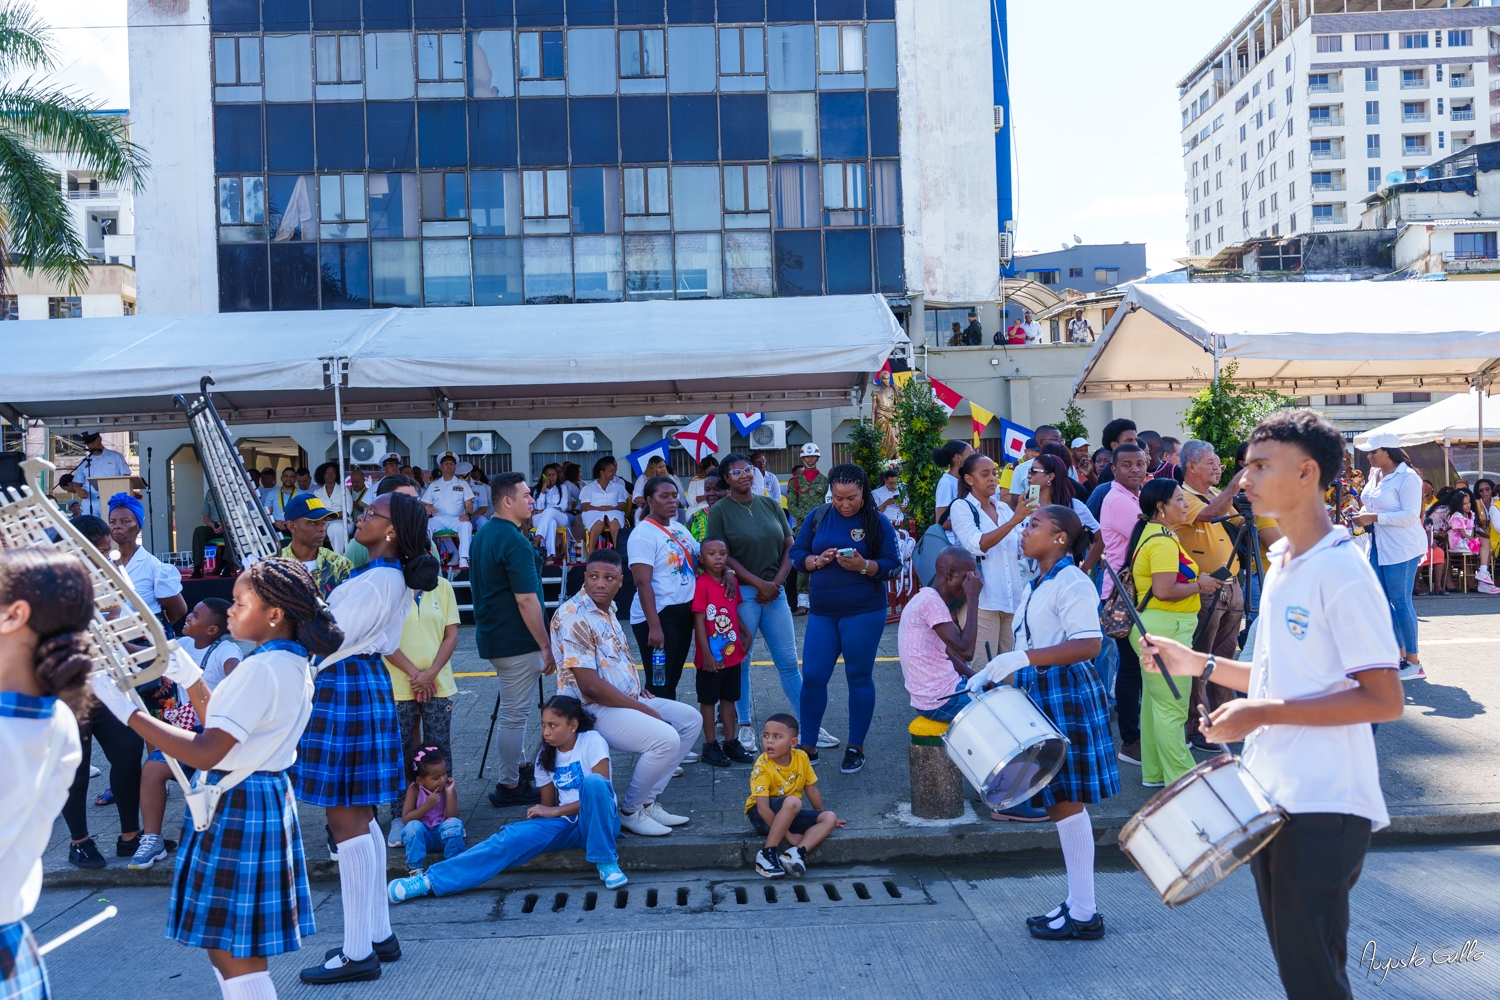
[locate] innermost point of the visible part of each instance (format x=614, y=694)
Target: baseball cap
x=1383, y=440
x=1079, y=443
x=306, y=505
x=810, y=449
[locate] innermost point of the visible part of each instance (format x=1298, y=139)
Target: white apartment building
x=1306, y=106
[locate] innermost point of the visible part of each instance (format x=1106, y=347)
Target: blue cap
x=306, y=505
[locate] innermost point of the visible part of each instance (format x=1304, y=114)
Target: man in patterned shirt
x=594, y=665
x=305, y=514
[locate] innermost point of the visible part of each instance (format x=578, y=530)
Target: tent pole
x=336, y=373
x=1480, y=381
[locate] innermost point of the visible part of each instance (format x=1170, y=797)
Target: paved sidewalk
x=1439, y=769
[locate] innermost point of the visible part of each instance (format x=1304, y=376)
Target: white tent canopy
x=1300, y=338
x=1454, y=420
x=497, y=362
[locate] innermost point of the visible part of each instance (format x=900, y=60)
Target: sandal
x=104, y=798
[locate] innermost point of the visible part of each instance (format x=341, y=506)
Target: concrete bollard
x=937, y=787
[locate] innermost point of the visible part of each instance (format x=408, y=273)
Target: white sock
x=380, y=915
x=255, y=986
x=1077, y=836
x=358, y=867
x=219, y=978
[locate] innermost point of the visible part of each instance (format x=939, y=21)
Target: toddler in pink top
x=430, y=811
x=934, y=650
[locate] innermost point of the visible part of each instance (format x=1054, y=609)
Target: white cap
x=1079, y=443
x=392, y=457
x=1386, y=440
x=810, y=449
x=464, y=468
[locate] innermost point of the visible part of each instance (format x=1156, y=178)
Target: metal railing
x=1414, y=150
x=1463, y=114
x=86, y=194
x=1329, y=220
x=1337, y=153
x=1334, y=87
x=1416, y=116
x=1333, y=186
x=1334, y=121
x=1460, y=80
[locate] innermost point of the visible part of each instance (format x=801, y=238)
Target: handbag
x=1114, y=617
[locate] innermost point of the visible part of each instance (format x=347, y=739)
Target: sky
x=1094, y=108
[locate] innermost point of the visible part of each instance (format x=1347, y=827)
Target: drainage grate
x=692, y=896
x=576, y=902
x=872, y=890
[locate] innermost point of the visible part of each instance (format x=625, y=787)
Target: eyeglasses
x=740, y=472
x=370, y=512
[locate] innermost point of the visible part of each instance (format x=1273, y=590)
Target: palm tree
x=36, y=231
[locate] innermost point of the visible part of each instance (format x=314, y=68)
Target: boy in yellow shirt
x=781, y=779
x=422, y=677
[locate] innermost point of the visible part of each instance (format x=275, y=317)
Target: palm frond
x=59, y=120
x=25, y=39
x=39, y=230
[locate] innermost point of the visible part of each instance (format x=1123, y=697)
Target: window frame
x=746, y=187
x=442, y=41
x=640, y=33
x=646, y=173
x=540, y=34
x=549, y=180
x=339, y=40
x=739, y=31
x=239, y=45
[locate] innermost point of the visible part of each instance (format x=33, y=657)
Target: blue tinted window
x=335, y=15
x=581, y=12
x=493, y=127
x=491, y=13
x=743, y=126
x=592, y=121
x=244, y=284
x=742, y=11
x=289, y=136
x=345, y=274
x=382, y=15
x=789, y=10
x=440, y=134
x=841, y=126
x=841, y=10
x=552, y=55
x=294, y=276
x=341, y=136
x=596, y=199
x=440, y=13
x=497, y=272
x=394, y=205
x=494, y=202
x=643, y=129
x=695, y=128
x=888, y=270
x=285, y=15
x=392, y=139
x=641, y=11
x=237, y=140
x=690, y=11
x=544, y=131
x=235, y=15
x=875, y=10
x=798, y=261
x=538, y=13
x=549, y=268
x=289, y=208
x=848, y=254
x=885, y=136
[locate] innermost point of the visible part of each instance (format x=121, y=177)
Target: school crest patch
x=1297, y=620
x=858, y=534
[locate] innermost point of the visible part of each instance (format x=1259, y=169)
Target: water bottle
x=658, y=668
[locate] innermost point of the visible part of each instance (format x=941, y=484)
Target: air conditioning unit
x=479, y=443
x=367, y=449
x=770, y=434
x=999, y=117
x=580, y=440
x=358, y=426
x=1006, y=241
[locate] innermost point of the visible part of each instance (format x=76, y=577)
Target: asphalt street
x=858, y=933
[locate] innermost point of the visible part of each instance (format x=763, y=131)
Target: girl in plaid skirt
x=240, y=886
x=349, y=759
x=1057, y=637
x=46, y=601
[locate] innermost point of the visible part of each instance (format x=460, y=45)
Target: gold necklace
x=747, y=506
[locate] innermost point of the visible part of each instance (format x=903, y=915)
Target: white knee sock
x=1077, y=836
x=380, y=915
x=357, y=867
x=255, y=986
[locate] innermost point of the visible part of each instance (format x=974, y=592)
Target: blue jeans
x=595, y=829
x=1107, y=664
x=420, y=838
x=1397, y=579
x=856, y=637
x=948, y=709
x=774, y=623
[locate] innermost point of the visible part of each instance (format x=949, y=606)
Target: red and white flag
x=946, y=397
x=698, y=437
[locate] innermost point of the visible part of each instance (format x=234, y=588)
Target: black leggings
x=1128, y=692
x=677, y=635
x=124, y=750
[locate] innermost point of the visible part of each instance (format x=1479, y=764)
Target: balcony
x=1330, y=186
x=1415, y=116
x=1415, y=151
x=1326, y=121
x=1456, y=264
x=94, y=194
x=1463, y=114
x=1459, y=81
x=1336, y=218
x=1333, y=153
x=1331, y=87
x=1420, y=84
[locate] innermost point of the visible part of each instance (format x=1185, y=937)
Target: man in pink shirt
x=1118, y=516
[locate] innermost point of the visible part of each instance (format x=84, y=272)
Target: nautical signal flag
x=981, y=418
x=638, y=459
x=946, y=397
x=1013, y=439
x=744, y=423
x=698, y=438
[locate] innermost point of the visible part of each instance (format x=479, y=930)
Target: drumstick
x=1136, y=618
x=1204, y=723
x=87, y=925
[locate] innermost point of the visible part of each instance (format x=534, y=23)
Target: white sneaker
x=691, y=758
x=1482, y=574
x=397, y=825
x=678, y=772
x=151, y=850
x=827, y=739
x=804, y=601
x=94, y=772
x=643, y=825
x=748, y=740
x=656, y=812
x=1413, y=672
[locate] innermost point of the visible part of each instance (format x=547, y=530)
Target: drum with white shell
x=1006, y=747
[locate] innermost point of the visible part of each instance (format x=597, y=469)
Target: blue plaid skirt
x=1073, y=698
x=241, y=885
x=22, y=974
x=350, y=752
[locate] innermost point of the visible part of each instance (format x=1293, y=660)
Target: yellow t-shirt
x=770, y=779
x=1159, y=552
x=1006, y=474
x=421, y=635
x=1207, y=544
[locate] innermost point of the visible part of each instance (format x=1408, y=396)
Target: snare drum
x=1005, y=746
x=1200, y=828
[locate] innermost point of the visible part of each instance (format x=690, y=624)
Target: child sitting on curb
x=780, y=780
x=430, y=813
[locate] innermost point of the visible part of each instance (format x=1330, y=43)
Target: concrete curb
x=686, y=852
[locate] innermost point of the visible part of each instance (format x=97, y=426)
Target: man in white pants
x=450, y=502
x=594, y=665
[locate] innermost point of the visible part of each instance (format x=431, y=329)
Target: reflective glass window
x=643, y=53
x=699, y=265
x=396, y=270
x=889, y=270
x=794, y=126
x=292, y=208
x=236, y=61
x=747, y=265
x=440, y=13
x=885, y=129
x=848, y=256
x=544, y=131
x=244, y=278
x=692, y=63
x=880, y=10
x=497, y=272
x=237, y=138
x=242, y=201
x=695, y=198
x=394, y=206
x=746, y=188
x=732, y=11
x=742, y=51
x=540, y=55
x=440, y=61
x=288, y=67
x=344, y=272
x=641, y=11
x=799, y=263
x=841, y=10
x=880, y=55
x=340, y=136
x=294, y=276
x=492, y=64
x=846, y=194
x=388, y=67
x=841, y=48
x=596, y=200
x=643, y=129
x=790, y=52
x=690, y=11
x=443, y=196
x=842, y=127
x=490, y=13
x=445, y=273
x=441, y=134
x=598, y=269
x=885, y=186
x=337, y=59
x=796, y=195
x=387, y=14
x=535, y=13
x=284, y=15
x=591, y=61
x=492, y=134
x=237, y=15
x=743, y=127
x=544, y=193
x=392, y=139
x=341, y=206
x=789, y=10
x=495, y=202
x=591, y=11
x=695, y=128
x=648, y=267
x=646, y=191
x=335, y=15
x=289, y=136
x=592, y=121
x=549, y=268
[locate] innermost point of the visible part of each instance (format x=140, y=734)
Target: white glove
x=111, y=697
x=181, y=669
x=999, y=668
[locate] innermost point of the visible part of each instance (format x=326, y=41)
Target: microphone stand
x=150, y=513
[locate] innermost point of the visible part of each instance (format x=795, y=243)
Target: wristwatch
x=1208, y=668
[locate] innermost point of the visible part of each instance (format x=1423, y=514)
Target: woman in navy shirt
x=848, y=602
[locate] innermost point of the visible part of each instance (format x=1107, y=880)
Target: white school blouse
x=27, y=726
x=265, y=704
x=370, y=607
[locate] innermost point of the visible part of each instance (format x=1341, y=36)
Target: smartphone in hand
x=847, y=553
x=1033, y=494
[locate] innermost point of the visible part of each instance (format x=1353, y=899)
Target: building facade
x=1086, y=267
x=1306, y=106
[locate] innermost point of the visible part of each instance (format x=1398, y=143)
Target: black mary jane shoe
x=1091, y=931
x=1039, y=921
x=365, y=969
x=388, y=950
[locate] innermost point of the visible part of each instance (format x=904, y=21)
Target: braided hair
x=873, y=521
x=286, y=584
x=57, y=586
x=418, y=564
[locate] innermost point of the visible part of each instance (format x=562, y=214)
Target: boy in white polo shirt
x=1324, y=669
